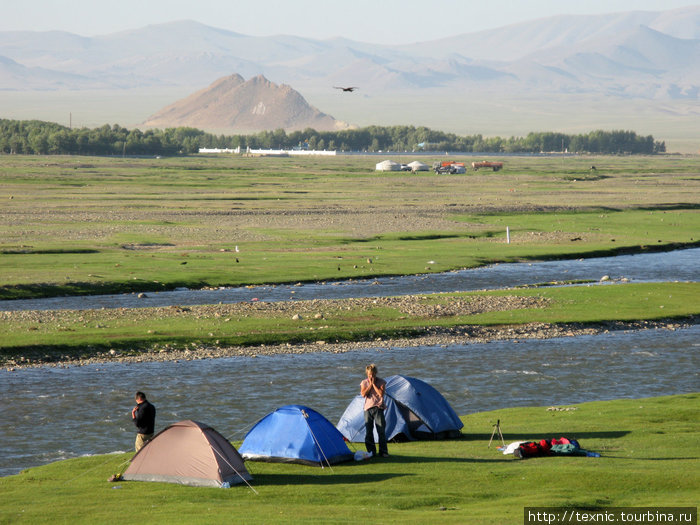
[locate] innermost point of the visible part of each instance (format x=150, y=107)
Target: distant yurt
x=295, y=434
x=188, y=453
x=414, y=410
x=417, y=165
x=388, y=165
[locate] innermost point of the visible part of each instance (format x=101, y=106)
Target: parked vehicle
x=449, y=167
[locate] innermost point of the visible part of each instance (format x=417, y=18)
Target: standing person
x=372, y=389
x=144, y=416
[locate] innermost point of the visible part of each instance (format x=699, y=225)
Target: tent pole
x=306, y=416
x=236, y=471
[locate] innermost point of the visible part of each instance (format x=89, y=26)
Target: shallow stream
x=51, y=413
x=680, y=265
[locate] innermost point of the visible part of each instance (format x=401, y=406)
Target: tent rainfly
x=414, y=410
x=295, y=434
x=188, y=453
x=388, y=165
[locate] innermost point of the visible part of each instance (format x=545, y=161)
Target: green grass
x=91, y=332
x=650, y=457
x=83, y=225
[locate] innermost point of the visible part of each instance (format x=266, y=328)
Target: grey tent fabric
x=414, y=410
x=188, y=453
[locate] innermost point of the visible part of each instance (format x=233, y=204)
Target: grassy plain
x=72, y=225
x=650, y=453
x=85, y=225
x=76, y=225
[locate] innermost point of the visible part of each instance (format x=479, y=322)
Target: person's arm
x=366, y=386
x=380, y=392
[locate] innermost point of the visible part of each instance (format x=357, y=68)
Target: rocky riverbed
x=430, y=336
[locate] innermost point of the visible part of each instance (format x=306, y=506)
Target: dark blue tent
x=295, y=434
x=414, y=410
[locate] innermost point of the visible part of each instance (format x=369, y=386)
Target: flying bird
x=348, y=89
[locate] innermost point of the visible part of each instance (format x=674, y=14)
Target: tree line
x=39, y=137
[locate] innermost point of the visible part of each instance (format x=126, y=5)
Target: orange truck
x=495, y=166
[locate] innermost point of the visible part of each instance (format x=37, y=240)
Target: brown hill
x=235, y=105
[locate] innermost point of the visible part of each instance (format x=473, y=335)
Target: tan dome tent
x=417, y=165
x=388, y=165
x=188, y=453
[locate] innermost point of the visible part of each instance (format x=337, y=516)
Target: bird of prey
x=348, y=89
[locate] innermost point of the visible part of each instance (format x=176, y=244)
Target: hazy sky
x=378, y=21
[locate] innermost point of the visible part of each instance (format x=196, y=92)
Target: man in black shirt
x=144, y=416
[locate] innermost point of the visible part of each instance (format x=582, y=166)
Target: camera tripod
x=497, y=427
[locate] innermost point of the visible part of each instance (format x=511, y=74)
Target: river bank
x=432, y=337
x=638, y=466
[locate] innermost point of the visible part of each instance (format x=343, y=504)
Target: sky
x=374, y=21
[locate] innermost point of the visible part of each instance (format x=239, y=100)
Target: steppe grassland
x=649, y=454
x=85, y=224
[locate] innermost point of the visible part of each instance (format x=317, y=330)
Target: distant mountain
x=639, y=69
x=586, y=53
x=18, y=77
x=235, y=105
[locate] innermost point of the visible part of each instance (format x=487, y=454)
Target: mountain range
x=622, y=60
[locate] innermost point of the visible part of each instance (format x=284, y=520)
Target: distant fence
x=219, y=150
x=271, y=152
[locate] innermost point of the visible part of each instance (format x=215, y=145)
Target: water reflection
x=85, y=410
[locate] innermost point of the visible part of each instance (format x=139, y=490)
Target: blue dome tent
x=414, y=410
x=295, y=434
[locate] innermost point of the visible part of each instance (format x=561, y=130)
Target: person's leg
x=141, y=440
x=369, y=431
x=380, y=423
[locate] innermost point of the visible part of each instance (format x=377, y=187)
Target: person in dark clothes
x=144, y=416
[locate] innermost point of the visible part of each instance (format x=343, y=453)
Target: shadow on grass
x=610, y=434
x=638, y=458
x=406, y=460
x=11, y=292
x=612, y=252
x=323, y=477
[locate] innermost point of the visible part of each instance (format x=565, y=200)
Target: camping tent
x=414, y=410
x=189, y=453
x=417, y=165
x=295, y=434
x=388, y=165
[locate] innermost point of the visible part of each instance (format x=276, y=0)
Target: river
x=56, y=413
x=679, y=265
x=53, y=413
